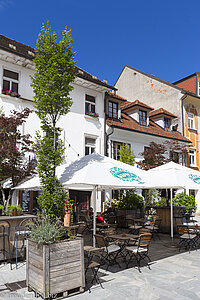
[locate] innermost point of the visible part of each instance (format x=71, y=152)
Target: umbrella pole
x=172, y=231
x=94, y=214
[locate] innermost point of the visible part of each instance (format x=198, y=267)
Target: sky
x=159, y=37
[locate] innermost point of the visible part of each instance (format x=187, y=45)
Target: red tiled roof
x=115, y=96
x=161, y=111
x=127, y=123
x=129, y=104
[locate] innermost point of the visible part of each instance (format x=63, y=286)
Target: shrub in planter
x=183, y=199
x=55, y=260
x=131, y=201
x=14, y=210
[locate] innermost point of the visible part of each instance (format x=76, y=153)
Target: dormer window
x=167, y=124
x=113, y=110
x=143, y=117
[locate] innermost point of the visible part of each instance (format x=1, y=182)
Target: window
x=90, y=145
x=167, y=124
x=143, y=117
x=174, y=156
x=192, y=158
x=10, y=81
x=89, y=103
x=113, y=110
x=115, y=150
x=190, y=120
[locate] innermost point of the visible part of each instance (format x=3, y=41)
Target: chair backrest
x=157, y=222
x=101, y=241
x=81, y=228
x=144, y=230
x=144, y=240
x=5, y=227
x=182, y=229
x=109, y=231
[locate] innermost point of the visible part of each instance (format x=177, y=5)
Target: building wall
x=134, y=85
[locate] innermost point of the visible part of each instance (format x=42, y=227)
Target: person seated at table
x=100, y=219
x=108, y=213
x=90, y=213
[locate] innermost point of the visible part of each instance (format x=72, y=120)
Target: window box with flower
x=92, y=114
x=11, y=93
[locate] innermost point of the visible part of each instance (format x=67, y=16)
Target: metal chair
x=92, y=266
x=140, y=252
x=188, y=240
x=109, y=251
x=22, y=231
x=155, y=228
x=133, y=227
x=5, y=235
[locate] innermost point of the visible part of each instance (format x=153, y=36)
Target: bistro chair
x=155, y=228
x=133, y=227
x=22, y=231
x=109, y=251
x=5, y=236
x=140, y=252
x=92, y=267
x=188, y=240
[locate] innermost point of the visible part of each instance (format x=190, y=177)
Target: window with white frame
x=192, y=157
x=10, y=81
x=116, y=146
x=90, y=145
x=89, y=104
x=143, y=117
x=113, y=110
x=167, y=124
x=190, y=120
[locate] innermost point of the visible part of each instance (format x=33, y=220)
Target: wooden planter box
x=55, y=269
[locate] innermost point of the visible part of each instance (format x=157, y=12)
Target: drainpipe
x=107, y=138
x=183, y=127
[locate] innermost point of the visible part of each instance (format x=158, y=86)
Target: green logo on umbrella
x=195, y=178
x=125, y=175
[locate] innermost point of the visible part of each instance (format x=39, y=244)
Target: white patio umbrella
x=173, y=176
x=95, y=172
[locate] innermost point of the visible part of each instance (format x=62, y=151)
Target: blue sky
x=158, y=37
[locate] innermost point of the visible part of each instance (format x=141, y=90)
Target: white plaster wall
x=134, y=85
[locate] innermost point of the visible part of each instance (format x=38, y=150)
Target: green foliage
x=161, y=202
x=54, y=73
x=114, y=202
x=46, y=231
x=131, y=201
x=11, y=208
x=183, y=199
x=51, y=84
x=127, y=155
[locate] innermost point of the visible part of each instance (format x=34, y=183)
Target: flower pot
x=67, y=218
x=14, y=212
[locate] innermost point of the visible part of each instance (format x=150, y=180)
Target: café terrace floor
x=173, y=275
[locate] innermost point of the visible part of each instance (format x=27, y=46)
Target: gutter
x=182, y=114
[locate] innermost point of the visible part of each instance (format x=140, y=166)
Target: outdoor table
x=141, y=221
x=90, y=251
x=123, y=240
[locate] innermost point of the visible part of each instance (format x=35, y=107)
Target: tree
x=52, y=86
x=13, y=149
x=154, y=156
x=127, y=155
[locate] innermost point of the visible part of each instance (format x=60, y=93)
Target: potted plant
x=55, y=260
x=68, y=212
x=14, y=210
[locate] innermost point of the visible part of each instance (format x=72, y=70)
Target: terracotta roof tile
x=127, y=123
x=128, y=105
x=109, y=93
x=161, y=111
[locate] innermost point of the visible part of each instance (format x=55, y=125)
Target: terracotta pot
x=14, y=212
x=67, y=218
